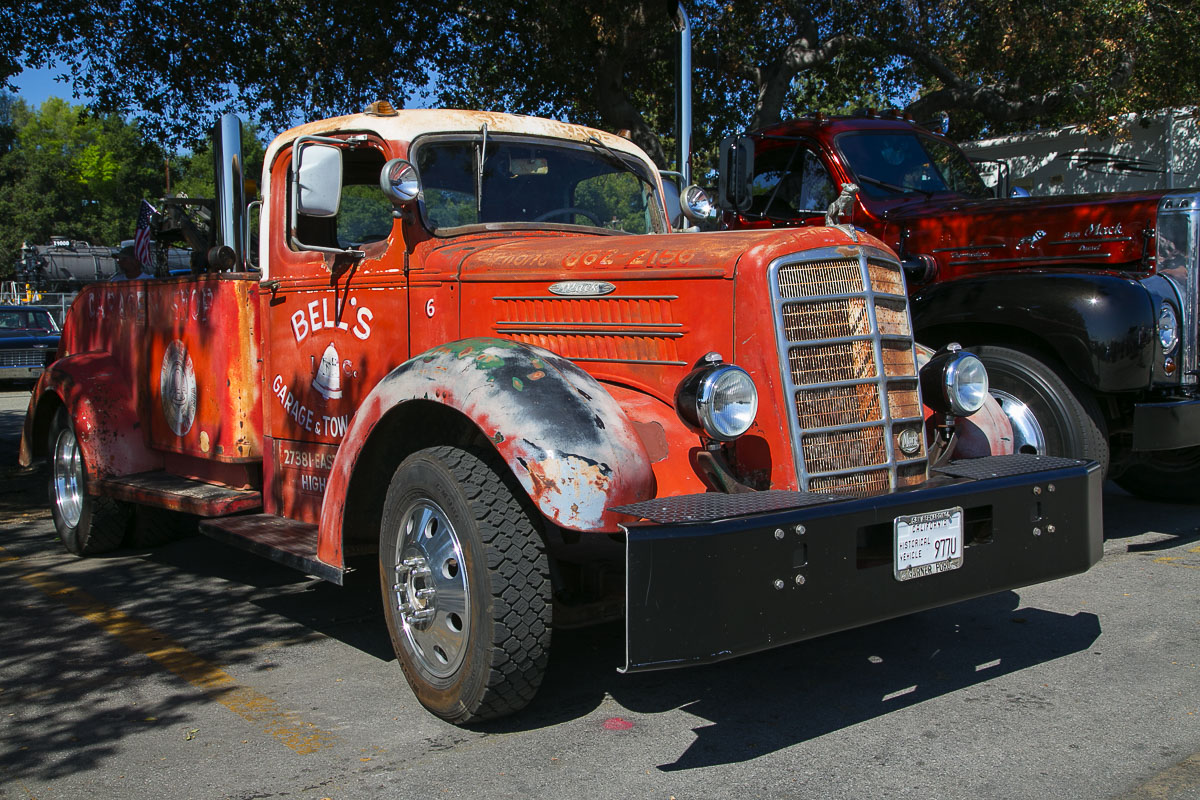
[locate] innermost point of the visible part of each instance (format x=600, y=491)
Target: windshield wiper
x=891, y=187
x=616, y=159
x=479, y=171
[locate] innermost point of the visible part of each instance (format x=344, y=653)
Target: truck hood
x=11, y=340
x=1107, y=230
x=522, y=257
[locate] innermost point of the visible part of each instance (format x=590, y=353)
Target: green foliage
x=174, y=65
x=193, y=176
x=994, y=65
x=365, y=215
x=70, y=173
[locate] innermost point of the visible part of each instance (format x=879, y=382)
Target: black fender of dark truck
x=1100, y=326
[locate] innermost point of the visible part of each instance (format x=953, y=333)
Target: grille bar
x=844, y=335
x=26, y=358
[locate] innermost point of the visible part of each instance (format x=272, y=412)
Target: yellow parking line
x=1172, y=782
x=1174, y=561
x=250, y=705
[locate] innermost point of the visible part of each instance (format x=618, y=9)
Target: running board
x=164, y=490
x=291, y=543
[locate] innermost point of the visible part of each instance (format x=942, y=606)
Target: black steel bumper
x=716, y=576
x=1166, y=426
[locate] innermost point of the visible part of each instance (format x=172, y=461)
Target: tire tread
x=520, y=588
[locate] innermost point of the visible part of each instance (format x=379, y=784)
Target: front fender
x=567, y=442
x=1101, y=326
x=102, y=409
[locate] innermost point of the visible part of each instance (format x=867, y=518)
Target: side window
x=789, y=182
x=816, y=188
x=365, y=215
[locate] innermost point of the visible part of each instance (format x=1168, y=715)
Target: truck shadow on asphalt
x=770, y=701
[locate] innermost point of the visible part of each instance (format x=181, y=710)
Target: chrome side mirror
x=399, y=181
x=319, y=180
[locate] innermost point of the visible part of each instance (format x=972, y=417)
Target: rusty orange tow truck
x=469, y=344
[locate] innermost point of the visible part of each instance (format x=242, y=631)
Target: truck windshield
x=27, y=319
x=890, y=164
x=534, y=183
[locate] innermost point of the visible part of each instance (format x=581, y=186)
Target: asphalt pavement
x=193, y=670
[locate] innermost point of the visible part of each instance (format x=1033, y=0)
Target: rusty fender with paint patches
x=567, y=442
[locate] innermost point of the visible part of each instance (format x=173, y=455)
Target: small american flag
x=141, y=237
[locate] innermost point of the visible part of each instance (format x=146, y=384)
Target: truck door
x=337, y=318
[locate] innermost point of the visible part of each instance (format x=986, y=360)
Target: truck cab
x=1082, y=307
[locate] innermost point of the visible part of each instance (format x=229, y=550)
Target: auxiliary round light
x=954, y=382
x=727, y=402
x=720, y=399
x=966, y=383
x=1168, y=328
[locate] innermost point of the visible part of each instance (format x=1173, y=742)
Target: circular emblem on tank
x=177, y=387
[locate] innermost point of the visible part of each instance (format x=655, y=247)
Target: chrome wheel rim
x=68, y=478
x=430, y=594
x=1028, y=436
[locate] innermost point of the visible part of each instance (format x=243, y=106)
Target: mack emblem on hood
x=582, y=288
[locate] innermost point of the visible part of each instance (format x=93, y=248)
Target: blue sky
x=35, y=85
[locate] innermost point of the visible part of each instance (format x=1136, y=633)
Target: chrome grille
x=845, y=341
x=1177, y=257
x=26, y=358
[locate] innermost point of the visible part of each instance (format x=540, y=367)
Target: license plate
x=928, y=543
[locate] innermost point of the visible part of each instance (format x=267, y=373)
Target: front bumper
x=1166, y=426
x=719, y=576
x=20, y=373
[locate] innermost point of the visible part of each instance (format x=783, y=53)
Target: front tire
x=466, y=587
x=87, y=525
x=1172, y=476
x=1051, y=413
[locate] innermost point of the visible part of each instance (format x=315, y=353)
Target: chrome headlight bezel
x=954, y=382
x=1168, y=328
x=720, y=399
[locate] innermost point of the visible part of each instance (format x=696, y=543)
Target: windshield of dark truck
x=502, y=180
x=891, y=164
x=790, y=181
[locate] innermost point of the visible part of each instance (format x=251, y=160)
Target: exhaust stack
x=231, y=196
x=683, y=97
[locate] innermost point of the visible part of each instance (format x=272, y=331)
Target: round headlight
x=719, y=399
x=966, y=383
x=727, y=402
x=1168, y=328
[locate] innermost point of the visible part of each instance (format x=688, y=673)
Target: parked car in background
x=28, y=341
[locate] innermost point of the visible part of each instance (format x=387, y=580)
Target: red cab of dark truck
x=1083, y=308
